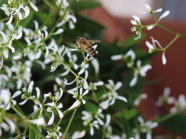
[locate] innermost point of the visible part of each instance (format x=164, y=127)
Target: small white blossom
x=164, y=61
x=78, y=134
x=139, y=70
x=39, y=121
x=79, y=95
x=54, y=134
x=112, y=94
x=149, y=10
x=137, y=26
x=138, y=100
x=165, y=14
x=4, y=98
x=51, y=106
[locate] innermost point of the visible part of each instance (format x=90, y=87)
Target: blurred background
x=127, y=8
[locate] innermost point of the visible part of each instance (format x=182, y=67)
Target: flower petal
x=116, y=57
x=164, y=61
x=17, y=93
x=133, y=81
x=76, y=104
x=166, y=13
x=51, y=119
x=122, y=98
x=33, y=6
x=60, y=113
x=10, y=19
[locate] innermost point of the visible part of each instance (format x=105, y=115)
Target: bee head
x=77, y=39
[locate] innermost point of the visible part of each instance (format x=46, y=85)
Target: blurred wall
x=126, y=8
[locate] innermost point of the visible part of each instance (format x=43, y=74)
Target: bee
x=86, y=45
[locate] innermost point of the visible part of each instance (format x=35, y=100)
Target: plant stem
x=182, y=35
x=68, y=126
x=14, y=108
x=169, y=30
x=164, y=118
x=177, y=36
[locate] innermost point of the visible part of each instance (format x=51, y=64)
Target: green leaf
x=131, y=41
x=34, y=129
x=89, y=20
x=128, y=114
x=29, y=19
x=85, y=5
x=176, y=124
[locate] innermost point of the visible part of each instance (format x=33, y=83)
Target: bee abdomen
x=90, y=50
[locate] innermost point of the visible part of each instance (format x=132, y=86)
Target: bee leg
x=83, y=53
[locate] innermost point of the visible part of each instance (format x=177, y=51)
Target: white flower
x=165, y=98
x=92, y=125
x=139, y=70
x=16, y=94
x=78, y=134
x=80, y=95
x=22, y=72
x=95, y=64
x=146, y=127
x=74, y=105
x=4, y=98
x=131, y=54
x=154, y=45
x=137, y=26
x=136, y=20
x=116, y=57
x=99, y=116
x=112, y=95
x=54, y=134
x=88, y=119
x=59, y=31
x=33, y=6
x=93, y=86
x=164, y=61
x=11, y=124
x=53, y=106
x=149, y=10
x=138, y=100
x=29, y=90
x=165, y=14
x=180, y=104
x=40, y=121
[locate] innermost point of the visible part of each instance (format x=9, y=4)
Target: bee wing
x=94, y=41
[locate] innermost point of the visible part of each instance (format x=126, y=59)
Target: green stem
x=182, y=35
x=52, y=30
x=68, y=126
x=69, y=69
x=14, y=108
x=49, y=4
x=155, y=18
x=2, y=20
x=177, y=36
x=164, y=118
x=169, y=30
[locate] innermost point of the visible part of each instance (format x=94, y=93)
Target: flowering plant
x=49, y=88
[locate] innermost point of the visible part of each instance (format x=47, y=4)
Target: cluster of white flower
x=138, y=28
x=39, y=46
x=130, y=58
x=13, y=8
x=175, y=104
x=144, y=127
x=66, y=13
